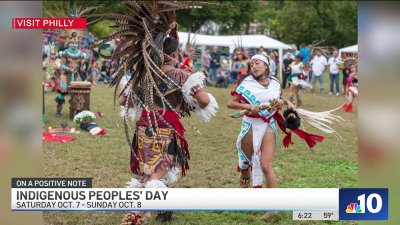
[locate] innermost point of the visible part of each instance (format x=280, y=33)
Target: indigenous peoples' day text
x=54, y=195
x=78, y=199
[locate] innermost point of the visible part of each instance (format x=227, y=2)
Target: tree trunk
x=247, y=29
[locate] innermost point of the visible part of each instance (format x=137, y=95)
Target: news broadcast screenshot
x=199, y=112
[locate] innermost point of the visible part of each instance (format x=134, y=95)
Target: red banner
x=49, y=23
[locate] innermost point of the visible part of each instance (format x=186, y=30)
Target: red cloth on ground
x=50, y=137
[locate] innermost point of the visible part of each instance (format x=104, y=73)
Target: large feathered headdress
x=349, y=59
x=143, y=31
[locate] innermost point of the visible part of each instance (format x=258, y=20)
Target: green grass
x=332, y=163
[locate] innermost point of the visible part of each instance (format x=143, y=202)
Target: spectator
x=215, y=64
x=82, y=43
x=105, y=72
x=46, y=50
x=223, y=77
x=94, y=39
x=272, y=63
x=205, y=59
x=274, y=56
x=318, y=68
x=89, y=38
x=288, y=55
x=63, y=45
x=286, y=69
x=74, y=35
x=262, y=51
x=83, y=70
x=89, y=59
x=333, y=63
x=94, y=73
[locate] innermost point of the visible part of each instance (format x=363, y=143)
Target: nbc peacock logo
x=354, y=208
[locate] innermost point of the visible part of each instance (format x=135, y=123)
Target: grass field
x=332, y=163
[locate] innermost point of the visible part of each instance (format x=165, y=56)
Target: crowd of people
x=297, y=73
x=225, y=71
x=70, y=57
x=92, y=67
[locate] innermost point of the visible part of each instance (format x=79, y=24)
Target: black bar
x=51, y=182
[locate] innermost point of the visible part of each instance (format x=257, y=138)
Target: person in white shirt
x=318, y=66
x=334, y=63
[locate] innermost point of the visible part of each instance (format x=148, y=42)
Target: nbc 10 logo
x=363, y=204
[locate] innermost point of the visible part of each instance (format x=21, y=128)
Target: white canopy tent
x=350, y=49
x=245, y=41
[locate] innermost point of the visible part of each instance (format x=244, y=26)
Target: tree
x=231, y=16
x=71, y=8
x=306, y=22
x=267, y=14
x=99, y=26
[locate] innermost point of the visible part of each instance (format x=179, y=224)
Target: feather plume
x=142, y=31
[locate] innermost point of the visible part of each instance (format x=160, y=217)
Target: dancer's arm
x=234, y=103
x=122, y=100
x=288, y=103
x=202, y=98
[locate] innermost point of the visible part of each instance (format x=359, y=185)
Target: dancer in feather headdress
x=259, y=97
x=298, y=78
x=158, y=91
x=73, y=59
x=351, y=81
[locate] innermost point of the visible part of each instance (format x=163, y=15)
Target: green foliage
x=86, y=119
x=231, y=15
x=298, y=22
x=102, y=29
x=305, y=22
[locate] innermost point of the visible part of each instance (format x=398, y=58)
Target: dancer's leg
x=245, y=170
x=292, y=89
x=267, y=155
x=298, y=99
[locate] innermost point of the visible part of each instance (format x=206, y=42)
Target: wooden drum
x=80, y=97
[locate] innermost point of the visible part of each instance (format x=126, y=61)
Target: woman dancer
x=257, y=141
x=259, y=97
x=297, y=79
x=351, y=88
